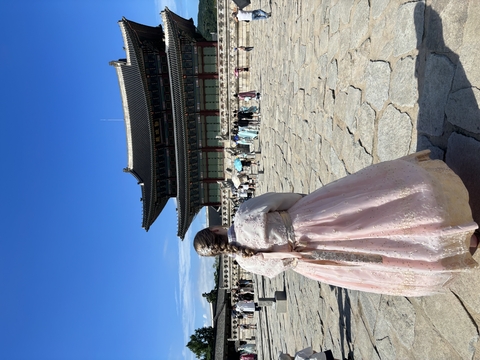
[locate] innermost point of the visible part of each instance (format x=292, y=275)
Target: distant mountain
x=207, y=18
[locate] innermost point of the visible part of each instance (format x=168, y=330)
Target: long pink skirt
x=411, y=213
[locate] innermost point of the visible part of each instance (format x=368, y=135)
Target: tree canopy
x=202, y=342
x=211, y=296
x=207, y=18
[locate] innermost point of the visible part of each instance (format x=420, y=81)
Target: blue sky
x=79, y=277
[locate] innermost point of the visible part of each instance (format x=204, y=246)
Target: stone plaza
x=346, y=84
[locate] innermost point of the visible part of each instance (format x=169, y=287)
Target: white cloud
x=165, y=249
x=195, y=277
x=205, y=282
x=186, y=298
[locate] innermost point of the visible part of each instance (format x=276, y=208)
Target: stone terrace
x=349, y=83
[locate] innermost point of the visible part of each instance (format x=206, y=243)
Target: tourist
x=245, y=282
x=241, y=15
x=247, y=348
x=252, y=109
x=401, y=227
x=243, y=48
x=238, y=70
x=245, y=306
x=247, y=326
x=245, y=114
x=308, y=354
x=243, y=296
x=248, y=95
x=245, y=122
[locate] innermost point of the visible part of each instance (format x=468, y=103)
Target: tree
x=211, y=296
x=207, y=18
x=201, y=343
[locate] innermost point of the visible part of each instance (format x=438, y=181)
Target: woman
x=248, y=95
x=401, y=227
x=238, y=70
x=243, y=48
x=258, y=14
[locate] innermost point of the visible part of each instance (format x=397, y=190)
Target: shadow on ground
x=345, y=321
x=449, y=118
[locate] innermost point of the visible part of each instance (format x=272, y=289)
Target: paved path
x=348, y=83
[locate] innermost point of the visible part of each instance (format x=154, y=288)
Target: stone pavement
x=348, y=83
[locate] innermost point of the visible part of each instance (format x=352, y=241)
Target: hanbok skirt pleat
x=412, y=212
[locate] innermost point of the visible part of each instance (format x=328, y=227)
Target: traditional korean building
x=169, y=89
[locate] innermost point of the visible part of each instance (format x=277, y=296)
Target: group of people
x=243, y=302
x=243, y=309
x=245, y=125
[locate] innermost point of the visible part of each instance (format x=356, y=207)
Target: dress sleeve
x=250, y=229
x=269, y=202
x=266, y=267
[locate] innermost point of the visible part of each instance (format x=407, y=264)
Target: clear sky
x=79, y=277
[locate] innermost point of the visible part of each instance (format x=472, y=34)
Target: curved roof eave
x=178, y=104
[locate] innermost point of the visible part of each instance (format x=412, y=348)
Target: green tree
x=201, y=343
x=211, y=296
x=207, y=18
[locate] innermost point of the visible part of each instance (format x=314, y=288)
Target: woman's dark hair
x=210, y=243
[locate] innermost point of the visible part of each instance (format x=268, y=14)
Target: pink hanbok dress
x=401, y=227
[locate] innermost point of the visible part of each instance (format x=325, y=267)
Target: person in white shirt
x=241, y=15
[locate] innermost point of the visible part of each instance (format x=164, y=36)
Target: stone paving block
x=329, y=103
x=338, y=139
x=385, y=349
x=377, y=82
x=469, y=51
x=439, y=71
x=377, y=7
x=340, y=106
x=362, y=346
x=334, y=18
x=394, y=134
x=396, y=315
x=354, y=98
x=435, y=152
x=345, y=69
x=380, y=33
x=344, y=45
x=332, y=74
x=456, y=12
x=360, y=61
x=408, y=27
x=448, y=316
x=365, y=118
x=345, y=10
x=403, y=84
x=462, y=109
x=465, y=288
x=337, y=167
x=429, y=344
x=361, y=159
x=360, y=21
x=333, y=46
x=462, y=157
